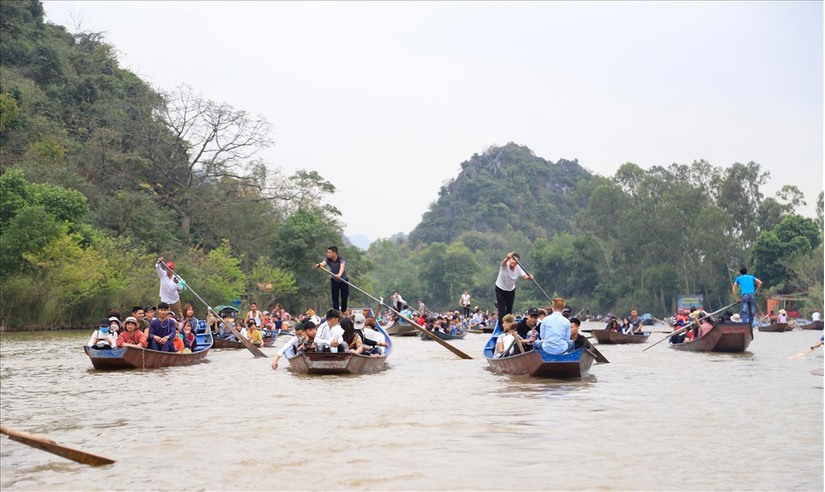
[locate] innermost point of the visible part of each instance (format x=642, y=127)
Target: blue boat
x=538, y=363
x=128, y=357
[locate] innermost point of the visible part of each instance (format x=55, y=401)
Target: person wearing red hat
x=168, y=285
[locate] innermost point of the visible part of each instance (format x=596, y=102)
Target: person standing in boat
x=169, y=285
x=338, y=286
x=397, y=301
x=465, y=303
x=162, y=330
x=748, y=290
x=555, y=331
x=508, y=273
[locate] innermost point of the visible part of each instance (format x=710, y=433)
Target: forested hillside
x=101, y=174
x=505, y=187
x=638, y=239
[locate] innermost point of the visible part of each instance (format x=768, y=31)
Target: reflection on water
x=655, y=420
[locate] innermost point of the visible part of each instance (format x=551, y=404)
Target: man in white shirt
x=168, y=285
x=815, y=316
x=330, y=335
x=508, y=273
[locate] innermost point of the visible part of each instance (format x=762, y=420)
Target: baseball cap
x=532, y=312
x=359, y=320
x=130, y=319
x=170, y=265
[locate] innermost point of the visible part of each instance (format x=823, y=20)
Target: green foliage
x=9, y=111
x=506, y=185
x=794, y=237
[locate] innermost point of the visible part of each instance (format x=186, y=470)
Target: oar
x=534, y=280
x=806, y=352
x=246, y=343
x=416, y=325
x=50, y=446
x=680, y=330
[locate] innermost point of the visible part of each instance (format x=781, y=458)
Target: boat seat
x=201, y=326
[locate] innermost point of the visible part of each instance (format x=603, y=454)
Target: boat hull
x=335, y=363
x=813, y=325
x=223, y=343
x=539, y=364
x=401, y=329
x=614, y=337
x=135, y=358
x=442, y=336
x=724, y=337
x=339, y=363
x=775, y=328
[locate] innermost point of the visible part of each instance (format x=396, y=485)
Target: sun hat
x=782, y=311
x=130, y=319
x=736, y=318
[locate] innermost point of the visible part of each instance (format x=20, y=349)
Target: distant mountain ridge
x=506, y=185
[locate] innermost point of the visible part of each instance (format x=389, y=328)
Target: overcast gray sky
x=395, y=95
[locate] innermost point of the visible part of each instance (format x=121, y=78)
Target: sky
x=394, y=96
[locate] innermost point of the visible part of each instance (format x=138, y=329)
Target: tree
x=211, y=141
x=795, y=236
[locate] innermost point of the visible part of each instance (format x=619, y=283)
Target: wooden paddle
x=806, y=352
x=50, y=446
x=246, y=343
x=680, y=330
x=533, y=279
x=416, y=325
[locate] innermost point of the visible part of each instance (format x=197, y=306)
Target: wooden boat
x=575, y=364
x=609, y=337
x=775, y=327
x=139, y=358
x=270, y=336
x=339, y=363
x=402, y=328
x=224, y=343
x=809, y=325
x=724, y=337
x=443, y=336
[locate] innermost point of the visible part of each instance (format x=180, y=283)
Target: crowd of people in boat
x=630, y=325
x=553, y=330
x=347, y=332
x=256, y=326
x=157, y=328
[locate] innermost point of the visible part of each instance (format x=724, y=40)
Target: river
x=655, y=420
